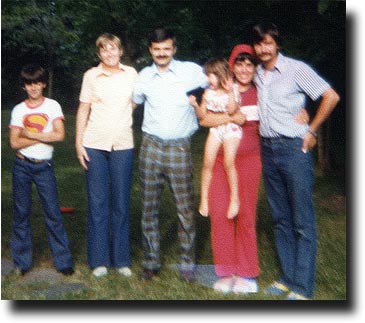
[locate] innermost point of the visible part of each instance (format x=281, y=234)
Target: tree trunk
x=323, y=148
x=50, y=83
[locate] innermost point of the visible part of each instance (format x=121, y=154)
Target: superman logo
x=35, y=122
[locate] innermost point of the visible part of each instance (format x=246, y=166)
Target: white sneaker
x=224, y=285
x=125, y=271
x=296, y=297
x=100, y=271
x=245, y=286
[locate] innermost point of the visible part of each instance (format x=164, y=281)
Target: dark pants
x=42, y=174
x=288, y=177
x=109, y=177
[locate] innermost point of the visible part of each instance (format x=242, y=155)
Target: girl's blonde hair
x=220, y=68
x=105, y=39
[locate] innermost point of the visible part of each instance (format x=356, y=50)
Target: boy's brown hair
x=33, y=73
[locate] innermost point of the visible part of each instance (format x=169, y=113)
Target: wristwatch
x=313, y=133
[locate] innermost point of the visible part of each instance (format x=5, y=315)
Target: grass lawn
x=329, y=198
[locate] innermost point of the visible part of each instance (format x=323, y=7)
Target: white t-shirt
x=37, y=119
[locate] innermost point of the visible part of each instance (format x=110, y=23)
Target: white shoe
x=245, y=286
x=125, y=271
x=100, y=271
x=296, y=297
x=224, y=285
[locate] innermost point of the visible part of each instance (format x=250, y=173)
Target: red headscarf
x=239, y=49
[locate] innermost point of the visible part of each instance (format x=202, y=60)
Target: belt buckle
x=34, y=161
x=30, y=160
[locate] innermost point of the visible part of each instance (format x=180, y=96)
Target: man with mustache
x=283, y=85
x=165, y=156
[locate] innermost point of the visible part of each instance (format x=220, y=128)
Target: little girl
x=222, y=96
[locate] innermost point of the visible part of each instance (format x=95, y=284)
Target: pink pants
x=234, y=242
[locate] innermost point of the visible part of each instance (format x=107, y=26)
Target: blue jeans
x=109, y=177
x=42, y=174
x=288, y=178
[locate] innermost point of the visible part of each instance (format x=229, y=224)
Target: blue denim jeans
x=109, y=177
x=42, y=174
x=288, y=178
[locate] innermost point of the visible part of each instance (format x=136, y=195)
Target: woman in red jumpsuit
x=234, y=242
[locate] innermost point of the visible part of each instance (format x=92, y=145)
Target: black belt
x=276, y=139
x=30, y=160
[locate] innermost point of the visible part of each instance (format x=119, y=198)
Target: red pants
x=234, y=242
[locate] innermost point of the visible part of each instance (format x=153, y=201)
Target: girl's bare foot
x=203, y=208
x=234, y=207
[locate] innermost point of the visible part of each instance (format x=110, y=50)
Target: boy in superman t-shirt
x=35, y=124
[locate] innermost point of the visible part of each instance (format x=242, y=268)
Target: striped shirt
x=282, y=93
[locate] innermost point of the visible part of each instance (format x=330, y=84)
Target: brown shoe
x=67, y=271
x=148, y=274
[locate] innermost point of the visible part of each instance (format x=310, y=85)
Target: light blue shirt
x=167, y=112
x=282, y=93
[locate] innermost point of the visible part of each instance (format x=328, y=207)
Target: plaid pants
x=170, y=161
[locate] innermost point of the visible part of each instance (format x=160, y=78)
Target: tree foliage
x=60, y=34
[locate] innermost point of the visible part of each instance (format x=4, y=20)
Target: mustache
x=162, y=57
